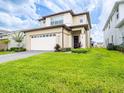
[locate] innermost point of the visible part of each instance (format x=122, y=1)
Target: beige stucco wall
x=67, y=39
x=3, y=46
x=68, y=19
x=58, y=32
x=76, y=20
x=88, y=37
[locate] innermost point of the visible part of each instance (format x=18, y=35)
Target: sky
x=23, y=14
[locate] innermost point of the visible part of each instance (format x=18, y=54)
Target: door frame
x=76, y=42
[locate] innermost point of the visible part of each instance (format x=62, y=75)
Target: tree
x=18, y=37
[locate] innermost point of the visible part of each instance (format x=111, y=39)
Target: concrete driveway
x=20, y=55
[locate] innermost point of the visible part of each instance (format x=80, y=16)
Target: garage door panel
x=44, y=43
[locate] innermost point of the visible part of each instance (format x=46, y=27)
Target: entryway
x=76, y=42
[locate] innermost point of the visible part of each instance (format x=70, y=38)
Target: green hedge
x=120, y=47
x=66, y=49
x=79, y=50
x=16, y=49
x=111, y=46
x=116, y=47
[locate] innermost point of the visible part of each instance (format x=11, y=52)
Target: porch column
x=83, y=38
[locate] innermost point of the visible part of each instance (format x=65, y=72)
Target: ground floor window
x=112, y=38
x=123, y=39
x=43, y=35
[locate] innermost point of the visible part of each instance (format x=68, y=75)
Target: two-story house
x=114, y=27
x=66, y=28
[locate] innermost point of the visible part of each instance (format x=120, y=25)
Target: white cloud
x=11, y=16
x=9, y=19
x=75, y=5
x=96, y=33
x=51, y=5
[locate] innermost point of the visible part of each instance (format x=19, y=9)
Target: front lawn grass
x=5, y=52
x=98, y=71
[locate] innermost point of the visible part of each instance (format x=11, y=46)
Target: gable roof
x=48, y=27
x=63, y=12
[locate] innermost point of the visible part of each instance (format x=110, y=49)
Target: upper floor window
x=1, y=37
x=42, y=22
x=58, y=20
x=109, y=25
x=112, y=38
x=117, y=10
x=123, y=39
x=117, y=16
x=81, y=20
x=108, y=41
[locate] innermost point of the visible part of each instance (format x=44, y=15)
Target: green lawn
x=98, y=71
x=5, y=52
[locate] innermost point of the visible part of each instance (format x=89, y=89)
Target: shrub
x=80, y=50
x=116, y=47
x=16, y=49
x=65, y=49
x=57, y=48
x=121, y=47
x=110, y=46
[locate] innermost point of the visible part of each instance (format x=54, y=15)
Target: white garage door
x=43, y=42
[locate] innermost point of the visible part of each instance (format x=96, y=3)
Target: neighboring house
x=114, y=27
x=67, y=29
x=3, y=35
x=9, y=35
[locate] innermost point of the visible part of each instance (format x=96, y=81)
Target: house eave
x=47, y=27
x=77, y=26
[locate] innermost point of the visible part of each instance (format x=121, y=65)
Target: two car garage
x=43, y=42
x=46, y=38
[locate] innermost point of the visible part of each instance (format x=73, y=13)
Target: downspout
x=86, y=38
x=62, y=37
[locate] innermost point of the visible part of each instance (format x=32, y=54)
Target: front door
x=76, y=41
